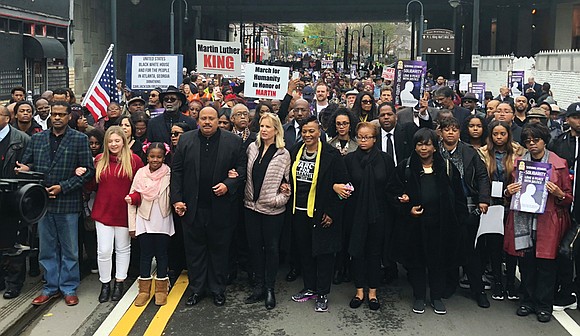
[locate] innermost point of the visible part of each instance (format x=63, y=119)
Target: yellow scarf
x=312, y=192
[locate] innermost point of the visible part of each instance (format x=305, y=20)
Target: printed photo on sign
x=516, y=82
x=409, y=80
x=533, y=195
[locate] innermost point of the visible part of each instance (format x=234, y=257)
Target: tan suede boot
x=144, y=291
x=161, y=291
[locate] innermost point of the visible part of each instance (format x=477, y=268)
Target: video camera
x=23, y=202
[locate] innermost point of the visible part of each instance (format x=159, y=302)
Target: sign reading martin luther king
x=219, y=57
x=264, y=81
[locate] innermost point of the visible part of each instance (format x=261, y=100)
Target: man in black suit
x=204, y=196
x=240, y=119
x=504, y=95
x=411, y=114
x=532, y=90
x=444, y=97
x=292, y=129
x=396, y=138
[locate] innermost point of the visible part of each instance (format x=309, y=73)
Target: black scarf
x=366, y=203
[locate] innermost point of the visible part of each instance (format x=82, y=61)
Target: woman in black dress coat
x=377, y=190
x=429, y=235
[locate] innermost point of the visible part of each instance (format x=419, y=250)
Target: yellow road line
x=161, y=319
x=129, y=319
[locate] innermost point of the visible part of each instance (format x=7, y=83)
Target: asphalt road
x=394, y=318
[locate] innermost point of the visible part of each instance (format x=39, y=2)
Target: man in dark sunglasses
x=159, y=128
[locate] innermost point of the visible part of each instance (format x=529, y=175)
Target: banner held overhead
x=147, y=72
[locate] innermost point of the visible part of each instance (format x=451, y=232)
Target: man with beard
x=204, y=196
x=159, y=128
x=155, y=107
x=42, y=113
x=521, y=105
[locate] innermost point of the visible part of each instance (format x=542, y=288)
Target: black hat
x=173, y=90
x=573, y=109
x=469, y=96
x=136, y=99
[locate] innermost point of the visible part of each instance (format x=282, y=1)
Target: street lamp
x=172, y=25
x=421, y=19
x=371, y=51
x=357, y=47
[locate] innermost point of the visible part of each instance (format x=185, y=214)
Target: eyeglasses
x=153, y=95
x=242, y=114
x=530, y=141
x=366, y=101
x=60, y=115
x=365, y=138
x=169, y=99
x=175, y=134
x=342, y=124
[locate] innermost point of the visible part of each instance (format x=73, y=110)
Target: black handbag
x=570, y=242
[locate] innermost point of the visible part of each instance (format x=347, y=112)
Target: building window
x=61, y=33
x=3, y=25
x=51, y=31
x=28, y=28
x=15, y=26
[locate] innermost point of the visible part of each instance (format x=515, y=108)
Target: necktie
x=390, y=145
x=298, y=136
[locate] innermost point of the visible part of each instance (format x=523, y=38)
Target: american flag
x=103, y=88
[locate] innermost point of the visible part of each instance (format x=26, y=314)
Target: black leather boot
x=105, y=292
x=270, y=299
x=117, y=291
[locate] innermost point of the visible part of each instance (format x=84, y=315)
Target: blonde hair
x=279, y=137
x=124, y=157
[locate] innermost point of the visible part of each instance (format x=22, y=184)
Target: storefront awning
x=38, y=47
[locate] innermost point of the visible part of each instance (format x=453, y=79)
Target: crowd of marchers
x=334, y=179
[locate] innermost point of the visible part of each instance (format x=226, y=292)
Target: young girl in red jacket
x=150, y=219
x=115, y=169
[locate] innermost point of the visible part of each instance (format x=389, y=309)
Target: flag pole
x=99, y=73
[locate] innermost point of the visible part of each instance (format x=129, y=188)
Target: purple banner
x=477, y=88
x=516, y=82
x=533, y=195
x=409, y=80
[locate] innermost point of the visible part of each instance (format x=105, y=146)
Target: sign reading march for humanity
x=263, y=81
x=533, y=195
x=146, y=72
x=218, y=57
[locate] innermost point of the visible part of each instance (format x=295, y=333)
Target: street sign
x=475, y=61
x=438, y=42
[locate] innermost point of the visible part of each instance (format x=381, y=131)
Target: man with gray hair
x=532, y=90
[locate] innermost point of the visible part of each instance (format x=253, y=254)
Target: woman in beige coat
x=266, y=193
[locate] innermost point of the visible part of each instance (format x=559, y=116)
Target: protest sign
x=146, y=72
x=409, y=79
x=516, y=82
x=264, y=81
x=325, y=64
x=464, y=80
x=218, y=57
x=533, y=195
x=478, y=88
x=389, y=74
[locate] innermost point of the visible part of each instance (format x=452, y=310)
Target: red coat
x=110, y=207
x=554, y=222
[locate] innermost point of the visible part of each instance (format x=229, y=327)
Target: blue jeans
x=59, y=252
